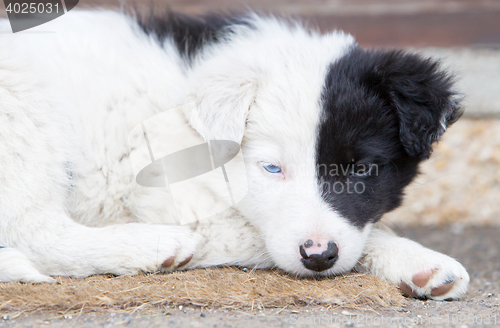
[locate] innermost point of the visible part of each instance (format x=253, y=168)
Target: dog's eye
x=271, y=168
x=361, y=170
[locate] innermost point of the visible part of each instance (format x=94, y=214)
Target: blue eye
x=271, y=168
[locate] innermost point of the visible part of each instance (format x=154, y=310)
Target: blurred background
x=460, y=184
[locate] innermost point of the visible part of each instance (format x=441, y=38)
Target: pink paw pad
x=443, y=289
x=186, y=261
x=407, y=290
x=422, y=278
x=168, y=262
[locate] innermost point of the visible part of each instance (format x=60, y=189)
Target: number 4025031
x=32, y=8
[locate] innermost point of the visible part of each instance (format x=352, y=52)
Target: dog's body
x=296, y=101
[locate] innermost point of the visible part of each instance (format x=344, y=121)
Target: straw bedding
x=213, y=288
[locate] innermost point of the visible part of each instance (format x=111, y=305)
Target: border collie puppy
x=329, y=135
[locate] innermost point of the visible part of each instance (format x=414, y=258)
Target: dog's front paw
x=150, y=248
x=443, y=278
x=418, y=271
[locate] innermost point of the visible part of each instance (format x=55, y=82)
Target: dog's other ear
x=421, y=94
x=223, y=99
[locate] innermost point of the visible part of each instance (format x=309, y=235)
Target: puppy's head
x=331, y=135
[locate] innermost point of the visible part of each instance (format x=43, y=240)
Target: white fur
x=69, y=204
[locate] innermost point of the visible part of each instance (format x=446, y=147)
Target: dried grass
x=214, y=288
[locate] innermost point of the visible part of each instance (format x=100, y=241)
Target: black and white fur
x=69, y=203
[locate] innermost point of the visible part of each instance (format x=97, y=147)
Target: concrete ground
x=476, y=247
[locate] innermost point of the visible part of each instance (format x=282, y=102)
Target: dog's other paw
x=418, y=271
x=443, y=279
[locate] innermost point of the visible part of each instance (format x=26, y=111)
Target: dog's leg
x=418, y=271
x=69, y=249
x=120, y=249
x=45, y=241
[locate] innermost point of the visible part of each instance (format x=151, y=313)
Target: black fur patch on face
x=189, y=33
x=384, y=109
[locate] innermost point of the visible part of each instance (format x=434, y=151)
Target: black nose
x=320, y=262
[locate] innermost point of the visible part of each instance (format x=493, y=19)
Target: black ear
x=421, y=94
